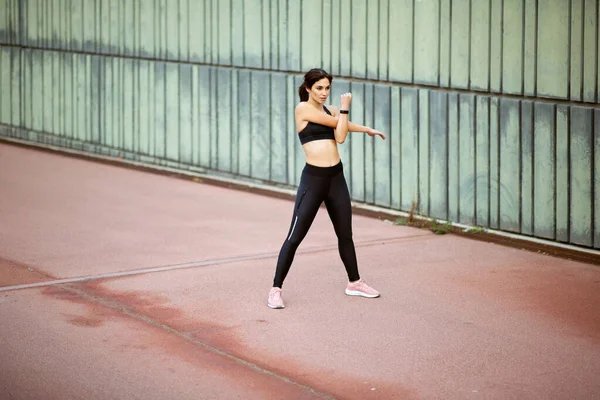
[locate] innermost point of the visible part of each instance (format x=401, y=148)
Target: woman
x=320, y=129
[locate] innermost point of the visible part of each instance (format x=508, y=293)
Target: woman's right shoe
x=275, y=299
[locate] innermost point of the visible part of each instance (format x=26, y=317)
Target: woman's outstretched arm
x=306, y=112
x=352, y=127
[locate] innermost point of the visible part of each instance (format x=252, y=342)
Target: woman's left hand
x=373, y=132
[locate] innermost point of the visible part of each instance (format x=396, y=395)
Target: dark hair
x=312, y=76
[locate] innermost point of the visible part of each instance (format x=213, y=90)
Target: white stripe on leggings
x=293, y=227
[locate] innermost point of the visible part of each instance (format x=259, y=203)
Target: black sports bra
x=314, y=131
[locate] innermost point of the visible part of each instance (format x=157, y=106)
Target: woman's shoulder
x=303, y=105
x=300, y=107
x=303, y=108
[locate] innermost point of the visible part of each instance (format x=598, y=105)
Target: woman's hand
x=345, y=101
x=373, y=132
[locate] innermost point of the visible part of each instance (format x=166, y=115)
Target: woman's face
x=320, y=90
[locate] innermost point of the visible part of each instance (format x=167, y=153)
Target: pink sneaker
x=275, y=299
x=360, y=288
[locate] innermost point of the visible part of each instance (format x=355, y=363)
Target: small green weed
x=474, y=229
x=440, y=229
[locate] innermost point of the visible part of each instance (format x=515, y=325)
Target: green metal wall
x=491, y=106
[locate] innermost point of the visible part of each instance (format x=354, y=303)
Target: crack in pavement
x=209, y=262
x=115, y=305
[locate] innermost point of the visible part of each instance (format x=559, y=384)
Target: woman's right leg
x=308, y=200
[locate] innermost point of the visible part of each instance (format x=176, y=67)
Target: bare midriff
x=322, y=153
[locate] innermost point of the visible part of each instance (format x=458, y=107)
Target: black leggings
x=318, y=185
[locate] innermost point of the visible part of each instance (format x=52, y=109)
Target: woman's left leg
x=340, y=211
